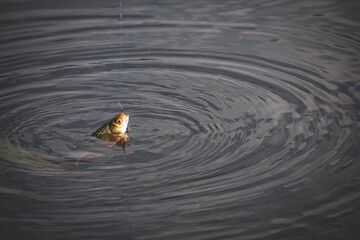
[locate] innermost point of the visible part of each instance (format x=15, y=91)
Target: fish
x=115, y=130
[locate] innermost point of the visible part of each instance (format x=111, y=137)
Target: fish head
x=120, y=123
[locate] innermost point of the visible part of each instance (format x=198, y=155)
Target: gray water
x=244, y=119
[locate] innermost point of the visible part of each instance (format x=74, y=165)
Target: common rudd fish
x=115, y=130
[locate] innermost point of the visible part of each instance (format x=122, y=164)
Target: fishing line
x=121, y=55
x=121, y=107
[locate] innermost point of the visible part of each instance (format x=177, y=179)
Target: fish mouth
x=123, y=129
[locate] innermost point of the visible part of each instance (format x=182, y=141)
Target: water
x=244, y=119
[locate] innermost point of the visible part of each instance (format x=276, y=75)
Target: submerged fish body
x=115, y=130
x=24, y=158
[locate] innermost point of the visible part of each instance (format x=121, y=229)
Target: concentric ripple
x=241, y=128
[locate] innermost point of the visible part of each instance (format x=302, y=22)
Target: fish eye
x=118, y=121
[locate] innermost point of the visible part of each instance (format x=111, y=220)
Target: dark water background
x=244, y=119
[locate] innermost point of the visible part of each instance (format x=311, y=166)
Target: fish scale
x=105, y=129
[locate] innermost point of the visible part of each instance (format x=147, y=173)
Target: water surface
x=244, y=119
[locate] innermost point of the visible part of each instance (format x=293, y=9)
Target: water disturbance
x=244, y=119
